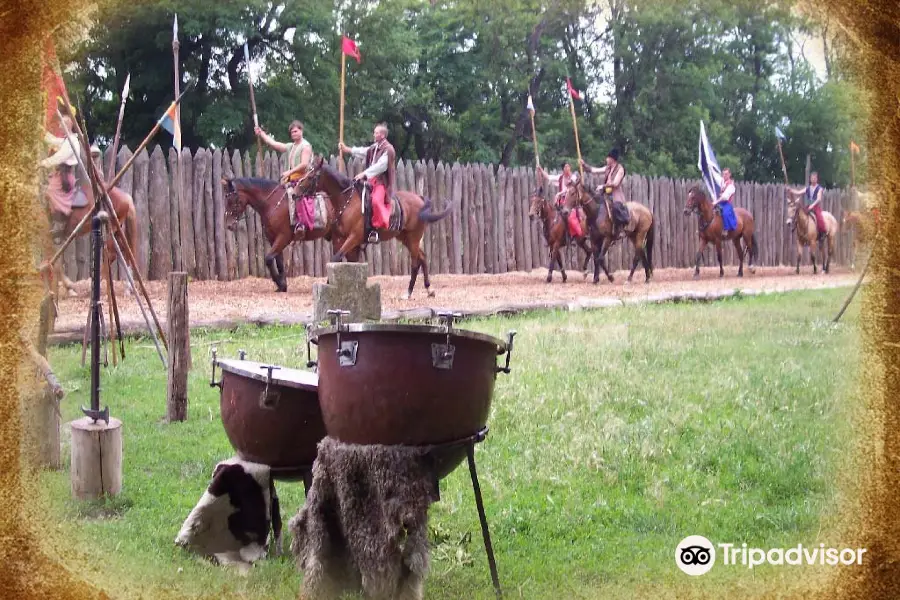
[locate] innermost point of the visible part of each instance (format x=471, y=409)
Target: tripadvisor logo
x=696, y=555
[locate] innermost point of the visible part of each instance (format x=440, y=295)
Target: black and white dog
x=232, y=520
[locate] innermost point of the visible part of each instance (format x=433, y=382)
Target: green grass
x=618, y=433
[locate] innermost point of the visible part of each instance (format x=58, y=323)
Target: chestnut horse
x=641, y=223
x=807, y=232
x=269, y=199
x=346, y=203
x=555, y=228
x=711, y=231
x=123, y=204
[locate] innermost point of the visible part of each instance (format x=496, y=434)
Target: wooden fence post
x=179, y=359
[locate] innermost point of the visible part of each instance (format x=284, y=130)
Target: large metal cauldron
x=271, y=415
x=414, y=385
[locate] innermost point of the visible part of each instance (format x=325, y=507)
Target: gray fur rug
x=364, y=526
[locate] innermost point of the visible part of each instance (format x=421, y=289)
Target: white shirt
x=64, y=154
x=378, y=167
x=727, y=193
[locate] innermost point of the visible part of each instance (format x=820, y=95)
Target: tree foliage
x=451, y=79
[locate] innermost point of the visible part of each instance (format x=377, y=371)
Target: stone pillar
x=347, y=289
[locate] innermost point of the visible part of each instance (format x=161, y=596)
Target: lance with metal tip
x=115, y=145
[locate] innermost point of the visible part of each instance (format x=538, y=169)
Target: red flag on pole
x=574, y=93
x=54, y=88
x=349, y=48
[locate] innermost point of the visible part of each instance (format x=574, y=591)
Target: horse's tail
x=426, y=216
x=648, y=244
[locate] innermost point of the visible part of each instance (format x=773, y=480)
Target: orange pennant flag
x=854, y=147
x=53, y=88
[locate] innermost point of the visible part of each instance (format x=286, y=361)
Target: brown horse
x=711, y=231
x=640, y=230
x=555, y=228
x=123, y=204
x=269, y=199
x=346, y=202
x=807, y=233
x=864, y=224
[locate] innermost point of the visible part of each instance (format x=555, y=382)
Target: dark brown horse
x=348, y=220
x=269, y=199
x=554, y=229
x=640, y=230
x=711, y=231
x=123, y=204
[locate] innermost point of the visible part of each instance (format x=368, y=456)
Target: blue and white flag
x=709, y=166
x=779, y=134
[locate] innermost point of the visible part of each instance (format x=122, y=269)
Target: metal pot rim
x=402, y=328
x=297, y=379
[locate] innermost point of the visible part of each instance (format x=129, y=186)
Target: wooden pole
x=252, y=100
x=808, y=168
x=341, y=166
x=107, y=275
x=577, y=144
x=537, y=158
x=852, y=171
x=115, y=144
x=179, y=348
x=104, y=197
x=783, y=167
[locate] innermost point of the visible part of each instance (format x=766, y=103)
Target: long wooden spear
x=780, y=136
x=115, y=145
x=537, y=157
x=252, y=99
x=341, y=166
x=104, y=197
x=572, y=93
x=118, y=176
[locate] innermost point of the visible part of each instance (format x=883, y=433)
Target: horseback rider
x=380, y=171
x=574, y=217
x=813, y=195
x=613, y=194
x=64, y=182
x=729, y=220
x=300, y=155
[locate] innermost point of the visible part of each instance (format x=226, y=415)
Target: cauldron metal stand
x=469, y=443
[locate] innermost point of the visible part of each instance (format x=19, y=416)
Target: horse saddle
x=396, y=220
x=79, y=198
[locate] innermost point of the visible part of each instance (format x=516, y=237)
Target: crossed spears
x=101, y=199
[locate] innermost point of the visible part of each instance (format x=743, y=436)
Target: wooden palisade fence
x=488, y=232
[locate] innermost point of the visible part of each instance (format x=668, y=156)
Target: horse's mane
x=255, y=182
x=341, y=179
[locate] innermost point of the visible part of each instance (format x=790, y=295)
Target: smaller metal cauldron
x=415, y=385
x=271, y=414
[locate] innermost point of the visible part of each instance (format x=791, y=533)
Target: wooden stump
x=96, y=458
x=179, y=359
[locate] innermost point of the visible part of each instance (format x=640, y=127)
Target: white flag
x=530, y=106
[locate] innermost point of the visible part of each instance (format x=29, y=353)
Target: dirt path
x=254, y=299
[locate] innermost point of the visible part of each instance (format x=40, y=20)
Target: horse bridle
x=695, y=210
x=230, y=198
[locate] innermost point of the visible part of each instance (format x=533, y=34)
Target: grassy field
x=618, y=433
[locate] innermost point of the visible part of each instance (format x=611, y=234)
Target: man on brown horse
x=64, y=183
x=300, y=155
x=612, y=192
x=574, y=217
x=729, y=220
x=380, y=170
x=812, y=199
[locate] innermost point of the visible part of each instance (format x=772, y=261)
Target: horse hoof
x=431, y=293
x=549, y=279
x=585, y=275
x=752, y=270
x=697, y=275
x=564, y=278
x=610, y=278
x=404, y=296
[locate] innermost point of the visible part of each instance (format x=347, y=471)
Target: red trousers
x=381, y=205
x=820, y=220
x=574, y=221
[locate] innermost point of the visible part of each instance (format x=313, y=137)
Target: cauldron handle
x=265, y=401
x=309, y=362
x=509, y=348
x=212, y=379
